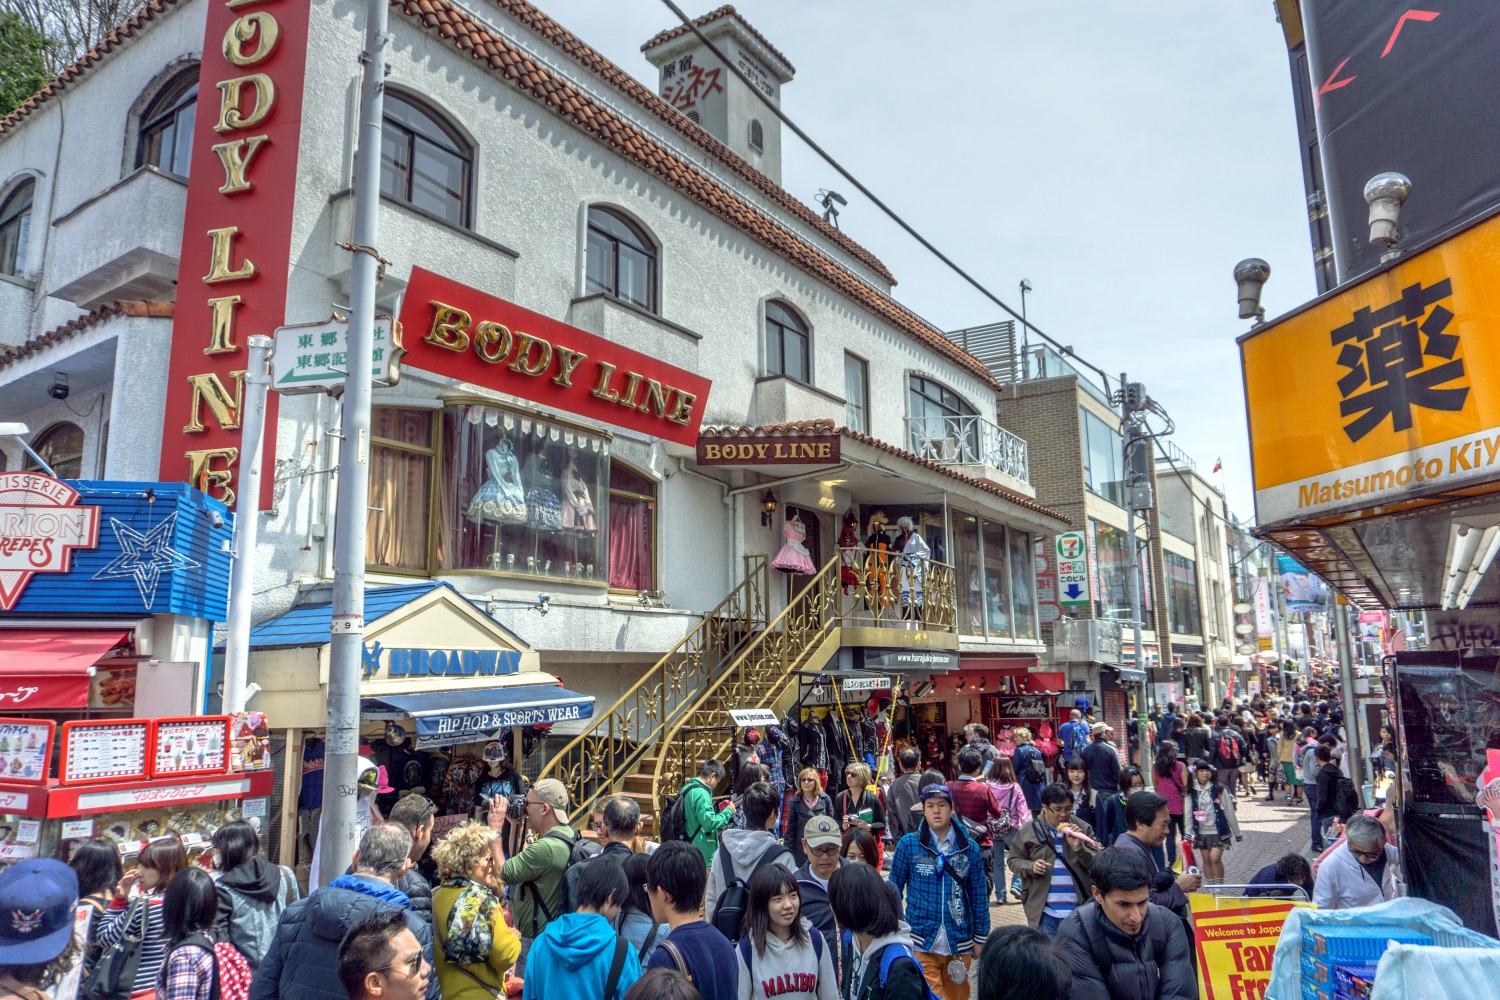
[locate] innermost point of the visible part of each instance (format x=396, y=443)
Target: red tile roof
x=42, y=341
x=826, y=426
x=87, y=61
x=469, y=35
x=725, y=11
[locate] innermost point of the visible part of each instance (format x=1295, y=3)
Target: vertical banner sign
x=1234, y=941
x=1072, y=569
x=1263, y=626
x=236, y=240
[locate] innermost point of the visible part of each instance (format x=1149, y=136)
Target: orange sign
x=1385, y=390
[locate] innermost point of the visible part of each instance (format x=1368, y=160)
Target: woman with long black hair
x=192, y=967
x=778, y=948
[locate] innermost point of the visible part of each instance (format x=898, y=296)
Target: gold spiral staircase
x=647, y=743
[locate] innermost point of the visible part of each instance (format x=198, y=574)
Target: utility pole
x=1025, y=331
x=1354, y=749
x=246, y=526
x=1133, y=401
x=342, y=745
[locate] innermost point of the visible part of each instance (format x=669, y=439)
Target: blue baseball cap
x=37, y=900
x=937, y=792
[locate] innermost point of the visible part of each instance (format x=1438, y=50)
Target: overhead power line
x=890, y=212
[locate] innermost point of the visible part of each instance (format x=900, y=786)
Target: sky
x=1120, y=155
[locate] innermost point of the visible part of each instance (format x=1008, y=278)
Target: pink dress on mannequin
x=794, y=557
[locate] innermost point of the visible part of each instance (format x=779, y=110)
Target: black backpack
x=574, y=855
x=673, y=825
x=583, y=852
x=1231, y=751
x=1345, y=797
x=113, y=975
x=729, y=911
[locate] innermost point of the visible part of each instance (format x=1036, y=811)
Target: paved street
x=1271, y=829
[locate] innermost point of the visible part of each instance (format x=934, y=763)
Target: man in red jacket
x=975, y=800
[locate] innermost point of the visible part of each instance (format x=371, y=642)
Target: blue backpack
x=888, y=956
x=747, y=954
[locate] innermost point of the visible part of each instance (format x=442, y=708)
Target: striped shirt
x=153, y=948
x=1062, y=895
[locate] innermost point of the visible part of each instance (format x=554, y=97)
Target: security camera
x=1250, y=276
x=59, y=387
x=215, y=519
x=543, y=598
x=1385, y=194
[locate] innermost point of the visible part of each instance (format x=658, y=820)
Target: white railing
x=969, y=440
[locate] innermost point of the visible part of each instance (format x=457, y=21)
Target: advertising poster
x=1234, y=941
x=24, y=748
x=1263, y=627
x=1301, y=590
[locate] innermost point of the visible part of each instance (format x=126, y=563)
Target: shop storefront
x=108, y=594
x=449, y=700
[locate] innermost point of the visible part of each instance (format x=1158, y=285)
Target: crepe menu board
x=195, y=745
x=25, y=749
x=104, y=751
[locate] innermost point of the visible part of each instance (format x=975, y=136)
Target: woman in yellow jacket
x=471, y=941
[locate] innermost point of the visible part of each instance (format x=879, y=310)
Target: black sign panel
x=1030, y=706
x=1411, y=89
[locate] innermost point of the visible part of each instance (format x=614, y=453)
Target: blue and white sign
x=382, y=664
x=468, y=716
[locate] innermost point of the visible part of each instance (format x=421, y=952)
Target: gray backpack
x=252, y=922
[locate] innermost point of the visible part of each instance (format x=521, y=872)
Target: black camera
x=515, y=806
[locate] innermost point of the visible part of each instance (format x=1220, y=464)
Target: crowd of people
x=778, y=892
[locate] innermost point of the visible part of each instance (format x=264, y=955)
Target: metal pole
x=1143, y=741
x=1355, y=751
x=339, y=768
x=246, y=526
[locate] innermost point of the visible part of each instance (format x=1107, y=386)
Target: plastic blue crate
x=1351, y=944
x=1352, y=982
x=1316, y=971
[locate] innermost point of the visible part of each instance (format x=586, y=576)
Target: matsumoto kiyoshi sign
x=394, y=663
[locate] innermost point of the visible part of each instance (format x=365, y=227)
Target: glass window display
x=1022, y=575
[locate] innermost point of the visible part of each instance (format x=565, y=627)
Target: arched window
x=60, y=446
x=425, y=162
x=757, y=136
x=632, y=530
x=621, y=259
x=943, y=427
x=15, y=223
x=166, y=140
x=787, y=343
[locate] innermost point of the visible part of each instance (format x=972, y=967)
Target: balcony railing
x=969, y=440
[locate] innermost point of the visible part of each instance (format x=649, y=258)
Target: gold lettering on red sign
x=567, y=361
x=682, y=408
x=203, y=475
x=207, y=388
x=524, y=362
x=601, y=389
x=259, y=26
x=219, y=268
x=450, y=328
x=221, y=331
x=236, y=157
x=653, y=398
x=231, y=119
x=492, y=342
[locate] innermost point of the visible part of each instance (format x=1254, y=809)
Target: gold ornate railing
x=879, y=589
x=619, y=737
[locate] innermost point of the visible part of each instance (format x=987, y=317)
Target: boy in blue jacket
x=579, y=954
x=940, y=870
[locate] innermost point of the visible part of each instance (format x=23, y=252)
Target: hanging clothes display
x=849, y=557
x=794, y=557
x=502, y=499
x=578, y=506
x=915, y=553
x=543, y=508
x=838, y=744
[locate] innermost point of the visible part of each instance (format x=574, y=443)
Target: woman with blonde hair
x=809, y=801
x=858, y=807
x=472, y=943
x=1021, y=761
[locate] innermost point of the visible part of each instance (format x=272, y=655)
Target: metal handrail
x=858, y=586
x=1211, y=889
x=618, y=738
x=969, y=439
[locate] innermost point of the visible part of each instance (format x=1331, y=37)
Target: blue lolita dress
x=502, y=499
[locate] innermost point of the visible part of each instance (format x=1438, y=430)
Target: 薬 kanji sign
x=1386, y=390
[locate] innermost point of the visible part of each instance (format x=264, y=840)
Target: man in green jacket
x=703, y=822
x=535, y=875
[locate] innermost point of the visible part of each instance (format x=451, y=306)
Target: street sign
x=752, y=716
x=313, y=357
x=852, y=684
x=1072, y=569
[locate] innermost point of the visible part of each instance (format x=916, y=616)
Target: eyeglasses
x=412, y=965
x=1371, y=855
x=826, y=850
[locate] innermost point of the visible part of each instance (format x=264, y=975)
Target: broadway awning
x=50, y=668
x=448, y=717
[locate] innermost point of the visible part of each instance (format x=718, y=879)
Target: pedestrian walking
x=415, y=813
x=1211, y=822
x=978, y=805
x=535, y=874
x=1072, y=737
x=1030, y=767
x=1327, y=785
x=1164, y=724
x=252, y=892
x=1022, y=963
x=37, y=953
x=825, y=854
x=1103, y=762
x=1171, y=782
x=306, y=945
x=1076, y=779
x=193, y=969
x=1359, y=872
x=940, y=871
x=1051, y=856
x=704, y=823
x=676, y=877
x=810, y=801
x=1119, y=945
x=637, y=923
x=744, y=852
x=780, y=953
x=857, y=806
x=140, y=915
x=1286, y=756
x=1195, y=739
x=473, y=946
x=886, y=966
x=579, y=953
x=1014, y=814
x=900, y=818
x=96, y=863
x=663, y=984
x=1149, y=827
x=381, y=959
x=1307, y=762
x=1111, y=808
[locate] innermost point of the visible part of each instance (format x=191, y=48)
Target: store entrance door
x=814, y=543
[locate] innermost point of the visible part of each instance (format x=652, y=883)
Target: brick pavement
x=1271, y=830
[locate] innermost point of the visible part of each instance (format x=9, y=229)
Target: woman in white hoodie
x=781, y=955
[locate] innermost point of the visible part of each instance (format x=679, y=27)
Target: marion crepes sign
x=463, y=333
x=41, y=523
x=237, y=233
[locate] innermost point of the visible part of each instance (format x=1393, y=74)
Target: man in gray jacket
x=900, y=816
x=748, y=847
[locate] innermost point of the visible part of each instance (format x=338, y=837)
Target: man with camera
x=535, y=873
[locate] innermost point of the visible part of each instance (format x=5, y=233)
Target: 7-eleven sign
x=40, y=526
x=1072, y=569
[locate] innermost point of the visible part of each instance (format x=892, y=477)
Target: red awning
x=49, y=668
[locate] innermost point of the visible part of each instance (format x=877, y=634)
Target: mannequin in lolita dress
x=914, y=555
x=501, y=500
x=577, y=506
x=849, y=559
x=794, y=557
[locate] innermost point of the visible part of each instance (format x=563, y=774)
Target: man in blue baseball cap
x=37, y=899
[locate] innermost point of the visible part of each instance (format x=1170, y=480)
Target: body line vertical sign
x=237, y=231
